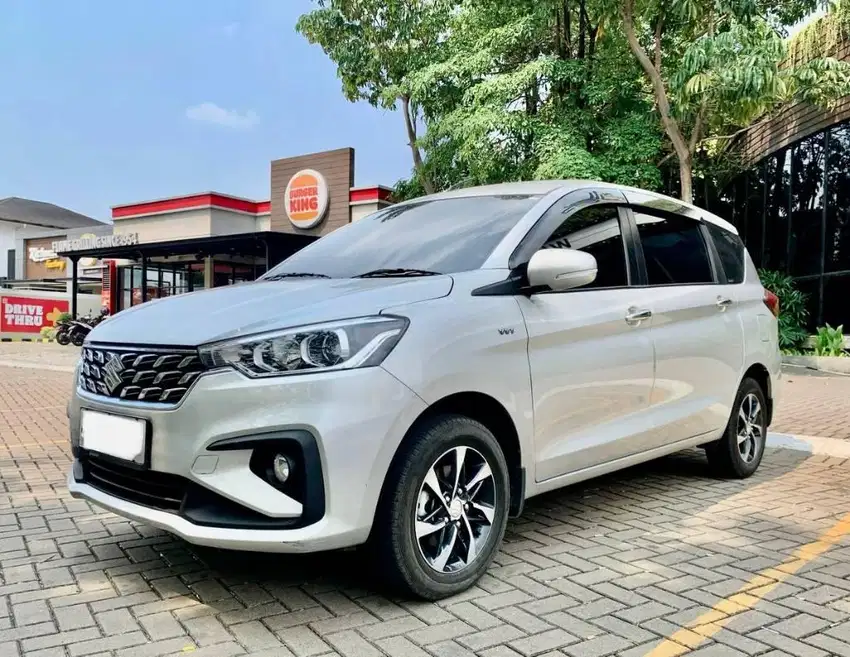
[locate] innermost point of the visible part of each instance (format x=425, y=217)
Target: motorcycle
x=63, y=331
x=81, y=327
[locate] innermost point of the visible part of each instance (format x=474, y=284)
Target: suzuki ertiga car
x=410, y=379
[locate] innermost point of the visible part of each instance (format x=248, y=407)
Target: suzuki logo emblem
x=112, y=373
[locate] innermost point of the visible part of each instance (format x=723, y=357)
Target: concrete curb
x=832, y=364
x=27, y=340
x=810, y=444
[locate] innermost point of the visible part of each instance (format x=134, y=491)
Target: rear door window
x=730, y=248
x=674, y=250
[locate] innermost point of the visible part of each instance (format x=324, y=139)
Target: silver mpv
x=410, y=379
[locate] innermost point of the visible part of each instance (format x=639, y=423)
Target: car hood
x=237, y=310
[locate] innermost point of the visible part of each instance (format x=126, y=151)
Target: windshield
x=441, y=236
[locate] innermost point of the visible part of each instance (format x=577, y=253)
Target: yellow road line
x=714, y=620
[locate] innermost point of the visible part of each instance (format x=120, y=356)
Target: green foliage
x=793, y=313
x=829, y=341
x=823, y=36
x=375, y=43
x=62, y=317
x=722, y=66
x=493, y=91
x=536, y=89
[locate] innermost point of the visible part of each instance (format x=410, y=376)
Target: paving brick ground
x=814, y=405
x=611, y=567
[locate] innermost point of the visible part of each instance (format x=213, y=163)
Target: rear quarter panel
x=760, y=329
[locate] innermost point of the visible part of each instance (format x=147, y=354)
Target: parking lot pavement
x=814, y=405
x=658, y=560
x=42, y=355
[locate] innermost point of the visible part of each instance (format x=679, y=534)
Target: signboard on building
x=41, y=261
x=46, y=257
x=306, y=198
x=310, y=193
x=86, y=242
x=29, y=315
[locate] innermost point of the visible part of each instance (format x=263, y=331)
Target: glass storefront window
x=739, y=206
x=836, y=310
x=807, y=189
x=196, y=275
x=811, y=288
x=794, y=216
x=169, y=279
x=778, y=178
x=837, y=253
x=755, y=213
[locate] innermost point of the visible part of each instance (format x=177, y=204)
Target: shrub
x=829, y=341
x=793, y=314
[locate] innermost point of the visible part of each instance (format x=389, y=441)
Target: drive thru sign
x=29, y=315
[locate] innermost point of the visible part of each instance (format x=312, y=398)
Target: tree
x=534, y=89
x=375, y=45
x=718, y=66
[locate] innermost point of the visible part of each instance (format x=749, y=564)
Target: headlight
x=342, y=345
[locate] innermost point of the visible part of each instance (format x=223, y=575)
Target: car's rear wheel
x=739, y=452
x=445, y=509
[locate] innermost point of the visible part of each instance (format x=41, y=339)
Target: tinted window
x=755, y=213
x=595, y=230
x=731, y=251
x=837, y=256
x=674, y=250
x=440, y=235
x=807, y=189
x=778, y=176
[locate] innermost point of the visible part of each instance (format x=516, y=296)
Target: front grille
x=139, y=374
x=158, y=490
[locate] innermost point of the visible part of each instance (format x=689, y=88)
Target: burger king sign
x=306, y=199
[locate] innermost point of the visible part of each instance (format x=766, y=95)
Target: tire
x=63, y=338
x=77, y=339
x=421, y=566
x=738, y=453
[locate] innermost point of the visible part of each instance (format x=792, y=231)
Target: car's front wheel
x=445, y=509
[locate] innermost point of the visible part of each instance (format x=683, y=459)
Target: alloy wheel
x=455, y=509
x=750, y=427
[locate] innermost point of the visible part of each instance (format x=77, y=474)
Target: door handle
x=723, y=302
x=636, y=316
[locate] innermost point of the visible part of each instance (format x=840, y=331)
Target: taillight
x=772, y=302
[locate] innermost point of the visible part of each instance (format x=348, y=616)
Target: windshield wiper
x=381, y=273
x=296, y=274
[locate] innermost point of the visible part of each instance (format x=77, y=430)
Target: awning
x=275, y=244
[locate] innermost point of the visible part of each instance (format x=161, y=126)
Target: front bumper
x=356, y=418
x=323, y=535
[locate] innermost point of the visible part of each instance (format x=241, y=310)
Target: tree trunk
x=671, y=126
x=686, y=182
x=582, y=29
x=418, y=165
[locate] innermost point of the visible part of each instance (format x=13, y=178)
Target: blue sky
x=105, y=102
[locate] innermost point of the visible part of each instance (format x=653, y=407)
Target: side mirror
x=561, y=269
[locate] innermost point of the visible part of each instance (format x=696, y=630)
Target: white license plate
x=121, y=437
